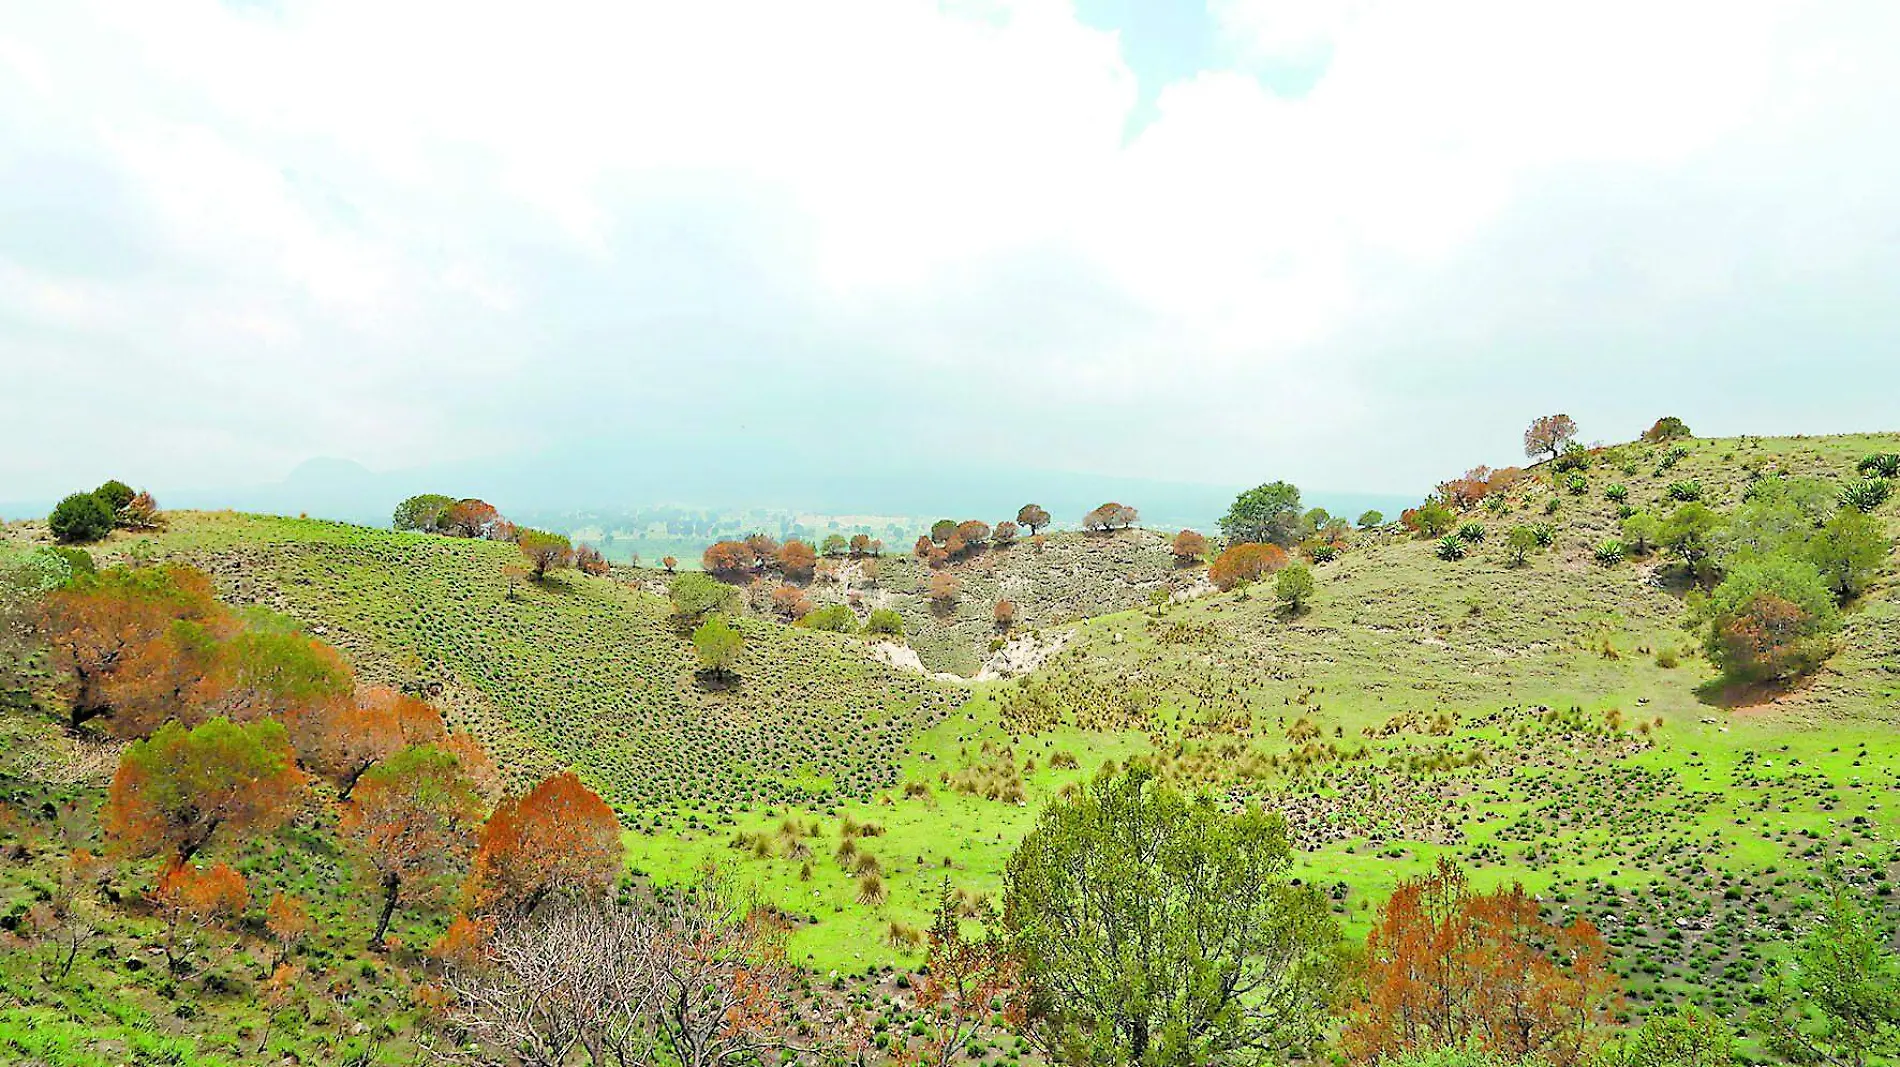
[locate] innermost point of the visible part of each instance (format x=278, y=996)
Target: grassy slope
x=574, y=671
x=1697, y=836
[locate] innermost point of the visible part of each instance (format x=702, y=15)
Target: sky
x=1352, y=243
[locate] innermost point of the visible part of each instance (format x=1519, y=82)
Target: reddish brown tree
x=762, y=547
x=188, y=897
x=728, y=559
x=1466, y=489
x=341, y=739
x=944, y=589
x=1034, y=517
x=963, y=977
x=133, y=642
x=1189, y=546
x=1004, y=535
x=669, y=563
x=791, y=601
x=1446, y=965
x=1247, y=562
x=588, y=560
x=175, y=790
x=975, y=532
x=470, y=518
x=289, y=923
x=860, y=544
x=796, y=560
x=413, y=815
x=1548, y=435
x=559, y=838
x=1004, y=614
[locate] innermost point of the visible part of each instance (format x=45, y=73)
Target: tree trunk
x=392, y=885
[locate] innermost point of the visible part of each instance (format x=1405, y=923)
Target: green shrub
x=115, y=494
x=1880, y=465
x=1866, y=494
x=835, y=618
x=1433, y=519
x=1295, y=586
x=1624, y=511
x=79, y=518
x=1450, y=548
x=695, y=594
x=1520, y=541
x=885, y=622
x=1685, y=491
x=1472, y=532
x=1771, y=618
x=1551, y=506
x=1617, y=493
x=1610, y=552
x=1574, y=457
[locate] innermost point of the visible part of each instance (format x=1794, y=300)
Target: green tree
x=1267, y=513
x=1156, y=930
x=1433, y=519
x=1849, y=551
x=1771, y=618
x=173, y=791
x=79, y=518
x=1295, y=587
x=1681, y=1038
x=545, y=551
x=1521, y=541
x=1689, y=532
x=1370, y=518
x=422, y=512
x=696, y=594
x=885, y=622
x=115, y=494
x=1642, y=531
x=718, y=645
x=1836, y=1001
x=835, y=618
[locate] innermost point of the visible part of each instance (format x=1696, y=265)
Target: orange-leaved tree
x=560, y=837
x=728, y=559
x=414, y=815
x=131, y=642
x=963, y=977
x=1447, y=966
x=796, y=559
x=1189, y=546
x=187, y=897
x=176, y=789
x=340, y=739
x=1246, y=562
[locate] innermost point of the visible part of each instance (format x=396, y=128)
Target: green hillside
x=1554, y=723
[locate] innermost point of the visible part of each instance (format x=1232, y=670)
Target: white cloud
x=376, y=226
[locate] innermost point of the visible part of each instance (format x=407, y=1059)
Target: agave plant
x=1451, y=547
x=1866, y=494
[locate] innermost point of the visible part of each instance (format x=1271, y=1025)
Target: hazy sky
x=1357, y=244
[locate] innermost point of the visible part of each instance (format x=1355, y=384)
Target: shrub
x=1295, y=586
x=1610, y=552
x=1370, y=518
x=79, y=518
x=115, y=494
x=1245, y=562
x=1451, y=548
x=718, y=645
x=1641, y=530
x=1472, y=532
x=1667, y=428
x=545, y=551
x=1685, y=491
x=1866, y=494
x=1575, y=457
x=1616, y=494
x=1431, y=519
x=1520, y=541
x=695, y=594
x=1880, y=465
x=835, y=618
x=1577, y=483
x=885, y=623
x=1551, y=506
x=1188, y=546
x=1771, y=618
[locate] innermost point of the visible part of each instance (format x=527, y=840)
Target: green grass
x=1508, y=716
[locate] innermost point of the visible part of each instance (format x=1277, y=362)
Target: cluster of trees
x=1111, y=516
x=1141, y=926
x=758, y=554
x=433, y=513
x=950, y=540
x=83, y=517
x=232, y=721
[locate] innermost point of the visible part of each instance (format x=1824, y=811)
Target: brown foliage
x=944, y=589
x=1548, y=435
x=472, y=518
x=963, y=976
x=791, y=601
x=412, y=816
x=340, y=739
x=1004, y=535
x=796, y=559
x=1247, y=562
x=1446, y=965
x=175, y=790
x=1189, y=546
x=588, y=560
x=1005, y=614
x=135, y=645
x=561, y=837
x=728, y=559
